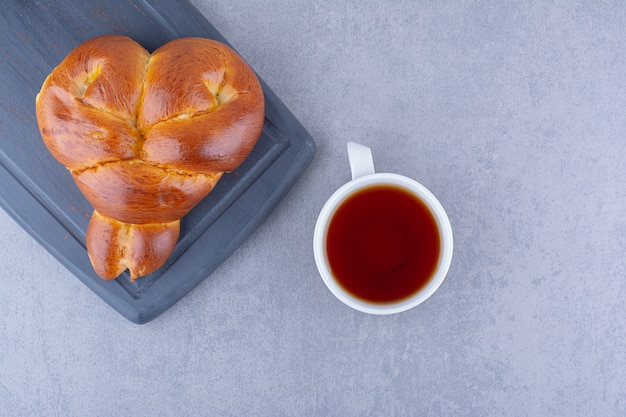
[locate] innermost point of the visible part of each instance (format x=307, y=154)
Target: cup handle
x=361, y=161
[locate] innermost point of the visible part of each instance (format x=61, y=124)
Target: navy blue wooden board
x=41, y=196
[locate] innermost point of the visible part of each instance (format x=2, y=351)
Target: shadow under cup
x=383, y=243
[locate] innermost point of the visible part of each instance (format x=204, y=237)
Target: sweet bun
x=146, y=137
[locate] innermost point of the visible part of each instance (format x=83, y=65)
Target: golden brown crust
x=213, y=147
x=146, y=137
x=207, y=125
x=138, y=192
x=115, y=246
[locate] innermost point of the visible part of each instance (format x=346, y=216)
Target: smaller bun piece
x=146, y=137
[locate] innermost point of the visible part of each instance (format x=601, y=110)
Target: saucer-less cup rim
x=321, y=232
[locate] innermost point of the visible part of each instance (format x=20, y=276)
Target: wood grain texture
x=40, y=194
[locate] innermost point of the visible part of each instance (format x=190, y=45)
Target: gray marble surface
x=513, y=114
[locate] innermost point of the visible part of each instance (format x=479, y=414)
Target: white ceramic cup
x=363, y=176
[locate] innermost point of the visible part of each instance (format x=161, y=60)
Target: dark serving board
x=41, y=196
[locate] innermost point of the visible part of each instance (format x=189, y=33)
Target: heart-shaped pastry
x=146, y=137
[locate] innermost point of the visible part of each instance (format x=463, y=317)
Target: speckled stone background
x=512, y=113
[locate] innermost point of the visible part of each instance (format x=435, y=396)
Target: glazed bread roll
x=146, y=137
